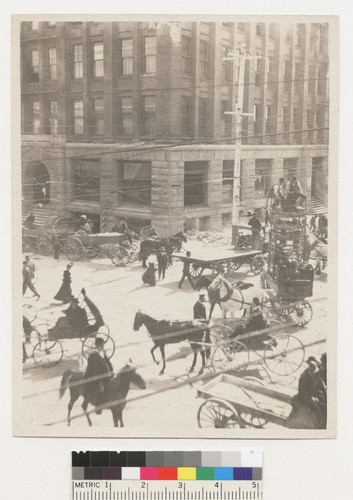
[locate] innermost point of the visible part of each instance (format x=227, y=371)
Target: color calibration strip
x=167, y=466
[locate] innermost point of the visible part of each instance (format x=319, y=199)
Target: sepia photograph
x=175, y=217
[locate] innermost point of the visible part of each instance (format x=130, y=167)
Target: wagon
x=233, y=402
x=42, y=238
x=280, y=352
x=223, y=260
x=82, y=245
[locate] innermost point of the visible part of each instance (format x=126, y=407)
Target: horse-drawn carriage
x=42, y=238
x=46, y=344
x=154, y=242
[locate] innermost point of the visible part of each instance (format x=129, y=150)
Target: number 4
x=216, y=485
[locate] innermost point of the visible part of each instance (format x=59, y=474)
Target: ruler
x=166, y=490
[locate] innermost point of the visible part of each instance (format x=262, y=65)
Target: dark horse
x=116, y=391
x=172, y=332
x=170, y=244
x=214, y=296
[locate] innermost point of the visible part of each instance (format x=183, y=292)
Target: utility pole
x=238, y=77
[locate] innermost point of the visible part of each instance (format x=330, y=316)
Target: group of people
x=319, y=227
x=287, y=193
x=86, y=224
x=157, y=261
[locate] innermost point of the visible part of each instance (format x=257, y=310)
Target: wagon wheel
x=88, y=345
x=218, y=414
x=249, y=419
x=235, y=265
x=284, y=354
x=223, y=267
x=301, y=313
x=26, y=244
x=257, y=264
x=134, y=252
x=30, y=312
x=230, y=356
x=48, y=353
x=73, y=248
x=91, y=251
x=120, y=256
x=195, y=270
x=45, y=244
x=110, y=251
x=220, y=333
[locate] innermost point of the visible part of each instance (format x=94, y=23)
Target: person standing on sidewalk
x=162, y=258
x=186, y=272
x=65, y=293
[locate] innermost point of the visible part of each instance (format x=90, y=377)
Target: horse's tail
x=64, y=382
x=208, y=341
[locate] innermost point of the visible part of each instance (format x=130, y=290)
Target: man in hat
x=100, y=369
x=186, y=271
x=28, y=275
x=162, y=258
x=295, y=192
x=256, y=227
x=200, y=309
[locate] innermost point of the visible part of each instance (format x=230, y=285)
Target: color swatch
x=162, y=466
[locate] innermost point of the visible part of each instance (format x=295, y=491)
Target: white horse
x=232, y=299
x=318, y=253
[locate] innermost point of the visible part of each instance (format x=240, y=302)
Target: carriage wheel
x=120, y=256
x=218, y=414
x=284, y=354
x=257, y=264
x=73, y=248
x=88, y=345
x=26, y=244
x=249, y=419
x=235, y=265
x=283, y=309
x=30, y=312
x=45, y=244
x=232, y=356
x=134, y=252
x=195, y=270
x=301, y=313
x=220, y=333
x=223, y=267
x=91, y=252
x=48, y=353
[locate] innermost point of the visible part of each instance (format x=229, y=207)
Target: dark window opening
x=227, y=181
x=86, y=180
x=186, y=44
x=195, y=174
x=134, y=183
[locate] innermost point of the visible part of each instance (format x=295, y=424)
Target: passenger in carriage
x=257, y=319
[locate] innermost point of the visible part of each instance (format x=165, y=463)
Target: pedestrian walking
x=256, y=227
x=31, y=267
x=149, y=276
x=65, y=293
x=162, y=258
x=312, y=224
x=27, y=274
x=186, y=272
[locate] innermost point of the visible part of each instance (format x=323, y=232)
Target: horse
x=318, y=252
x=214, y=298
x=116, y=390
x=172, y=332
x=303, y=417
x=170, y=244
x=231, y=299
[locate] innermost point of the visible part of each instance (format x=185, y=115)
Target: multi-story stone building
x=128, y=118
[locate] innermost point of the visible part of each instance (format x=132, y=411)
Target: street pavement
x=119, y=293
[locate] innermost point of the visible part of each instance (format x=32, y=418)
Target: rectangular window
x=186, y=44
x=287, y=72
x=262, y=176
x=227, y=182
x=98, y=112
x=289, y=167
x=203, y=117
x=135, y=183
x=226, y=120
x=52, y=64
x=78, y=117
x=256, y=112
x=149, y=115
x=126, y=115
x=36, y=117
x=98, y=60
x=126, y=56
x=268, y=112
x=86, y=180
x=195, y=176
x=186, y=116
x=286, y=118
x=53, y=117
x=35, y=25
x=150, y=46
x=226, y=65
x=259, y=29
x=322, y=79
x=34, y=66
x=78, y=62
x=204, y=58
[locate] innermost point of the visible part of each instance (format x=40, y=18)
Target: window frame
x=194, y=187
x=143, y=185
x=98, y=63
x=34, y=68
x=148, y=115
x=204, y=59
x=53, y=66
x=149, y=59
x=125, y=114
x=35, y=117
x=126, y=58
x=77, y=64
x=98, y=116
x=186, y=55
x=77, y=117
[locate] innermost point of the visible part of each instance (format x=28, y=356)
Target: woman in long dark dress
x=149, y=277
x=65, y=292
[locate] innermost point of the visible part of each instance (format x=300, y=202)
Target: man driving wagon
x=75, y=323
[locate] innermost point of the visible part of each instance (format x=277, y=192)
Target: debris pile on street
x=209, y=238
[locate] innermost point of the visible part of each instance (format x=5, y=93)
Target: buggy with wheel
x=83, y=321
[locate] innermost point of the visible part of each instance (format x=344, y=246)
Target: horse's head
x=129, y=372
x=138, y=321
x=216, y=284
x=183, y=236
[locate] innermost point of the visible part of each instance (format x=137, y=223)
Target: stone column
x=248, y=183
x=108, y=184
